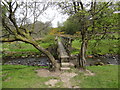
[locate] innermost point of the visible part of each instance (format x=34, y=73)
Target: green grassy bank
x=17, y=49
x=105, y=77
x=102, y=47
x=19, y=76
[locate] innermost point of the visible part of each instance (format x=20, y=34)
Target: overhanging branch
x=8, y=40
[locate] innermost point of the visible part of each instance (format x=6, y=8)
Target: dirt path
x=64, y=77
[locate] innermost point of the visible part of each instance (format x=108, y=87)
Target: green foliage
x=40, y=29
x=104, y=20
x=105, y=77
x=71, y=26
x=49, y=39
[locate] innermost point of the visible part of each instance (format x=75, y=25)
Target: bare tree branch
x=6, y=26
x=102, y=7
x=25, y=16
x=12, y=17
x=5, y=35
x=15, y=7
x=81, y=4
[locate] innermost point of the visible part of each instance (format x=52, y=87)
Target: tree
x=12, y=11
x=40, y=29
x=70, y=26
x=90, y=16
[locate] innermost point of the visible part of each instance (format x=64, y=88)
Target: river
x=44, y=61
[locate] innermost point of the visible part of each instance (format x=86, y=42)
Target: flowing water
x=44, y=61
x=104, y=60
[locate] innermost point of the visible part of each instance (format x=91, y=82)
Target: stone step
x=65, y=64
x=65, y=68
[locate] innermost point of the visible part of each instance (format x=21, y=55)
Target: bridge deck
x=63, y=56
x=62, y=51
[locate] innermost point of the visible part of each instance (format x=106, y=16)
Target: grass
x=104, y=46
x=19, y=46
x=18, y=76
x=0, y=76
x=76, y=44
x=22, y=47
x=105, y=77
x=18, y=49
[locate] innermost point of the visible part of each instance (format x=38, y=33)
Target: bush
x=48, y=39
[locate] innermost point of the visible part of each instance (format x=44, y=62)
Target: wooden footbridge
x=64, y=46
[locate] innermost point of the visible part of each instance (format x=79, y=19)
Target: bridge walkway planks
x=64, y=57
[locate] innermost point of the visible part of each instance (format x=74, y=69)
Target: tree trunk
x=55, y=65
x=82, y=54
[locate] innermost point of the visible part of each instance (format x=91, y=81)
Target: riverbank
x=27, y=77
x=98, y=47
x=21, y=52
x=44, y=61
x=20, y=49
